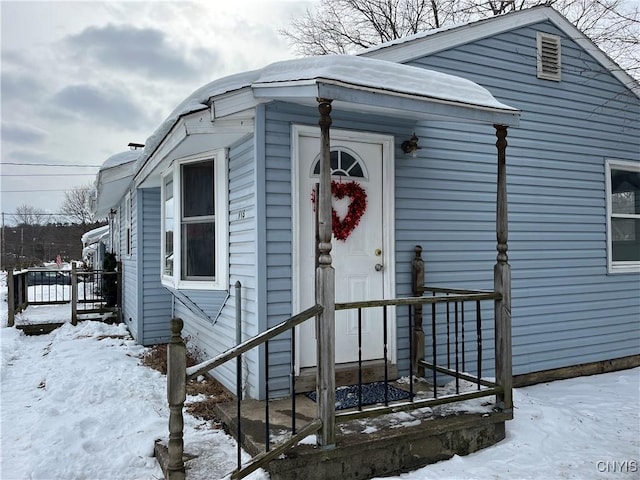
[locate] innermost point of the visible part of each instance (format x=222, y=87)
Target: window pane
x=198, y=247
x=168, y=227
x=625, y=192
x=625, y=239
x=197, y=189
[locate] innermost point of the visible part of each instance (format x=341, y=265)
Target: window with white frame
x=168, y=225
x=623, y=216
x=128, y=224
x=195, y=223
x=115, y=225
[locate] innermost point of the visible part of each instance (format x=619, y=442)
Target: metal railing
x=178, y=375
x=452, y=333
x=451, y=336
x=94, y=291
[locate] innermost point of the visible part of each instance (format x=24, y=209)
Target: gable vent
x=549, y=66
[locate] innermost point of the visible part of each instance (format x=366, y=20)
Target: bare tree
x=28, y=215
x=76, y=205
x=346, y=26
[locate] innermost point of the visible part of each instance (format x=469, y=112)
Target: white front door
x=360, y=259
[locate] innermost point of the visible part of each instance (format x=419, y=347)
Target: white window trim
x=128, y=226
x=541, y=73
x=117, y=246
x=221, y=281
x=617, y=267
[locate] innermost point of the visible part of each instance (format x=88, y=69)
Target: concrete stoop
x=393, y=450
x=373, y=447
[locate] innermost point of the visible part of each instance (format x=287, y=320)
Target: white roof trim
x=427, y=43
x=299, y=80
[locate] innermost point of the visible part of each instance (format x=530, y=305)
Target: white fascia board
x=219, y=133
x=294, y=90
x=116, y=173
x=429, y=44
x=175, y=136
x=385, y=102
x=241, y=123
x=403, y=52
x=232, y=103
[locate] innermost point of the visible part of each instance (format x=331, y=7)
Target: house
x=224, y=191
x=94, y=245
x=145, y=311
x=574, y=173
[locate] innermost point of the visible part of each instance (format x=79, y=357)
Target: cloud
x=22, y=133
x=26, y=155
x=131, y=49
x=103, y=105
x=20, y=86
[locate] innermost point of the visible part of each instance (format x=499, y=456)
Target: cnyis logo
x=617, y=466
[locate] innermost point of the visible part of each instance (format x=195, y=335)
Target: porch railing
x=178, y=375
x=17, y=294
x=451, y=336
x=93, y=291
x=457, y=333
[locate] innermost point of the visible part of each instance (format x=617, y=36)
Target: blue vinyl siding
x=566, y=309
x=155, y=301
x=130, y=269
x=216, y=332
x=279, y=119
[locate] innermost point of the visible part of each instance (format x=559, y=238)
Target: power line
x=44, y=190
x=51, y=164
x=46, y=174
x=35, y=214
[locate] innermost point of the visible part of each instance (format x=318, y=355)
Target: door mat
x=372, y=393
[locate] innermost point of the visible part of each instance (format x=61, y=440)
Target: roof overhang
x=193, y=134
x=222, y=112
x=362, y=99
x=95, y=235
x=111, y=185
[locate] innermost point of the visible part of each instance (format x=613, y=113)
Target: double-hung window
x=623, y=216
x=195, y=223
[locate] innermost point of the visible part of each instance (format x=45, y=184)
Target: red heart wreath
x=343, y=228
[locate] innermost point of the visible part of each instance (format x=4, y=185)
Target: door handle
x=379, y=267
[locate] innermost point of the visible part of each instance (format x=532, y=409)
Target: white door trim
x=388, y=215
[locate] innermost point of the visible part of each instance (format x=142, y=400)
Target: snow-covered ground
x=77, y=404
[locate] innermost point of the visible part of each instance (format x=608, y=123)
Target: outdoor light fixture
x=410, y=146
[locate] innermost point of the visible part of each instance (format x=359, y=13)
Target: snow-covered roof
x=95, y=235
x=298, y=80
x=432, y=41
x=121, y=158
x=382, y=75
x=113, y=180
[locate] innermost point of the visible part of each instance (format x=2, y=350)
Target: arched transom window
x=343, y=164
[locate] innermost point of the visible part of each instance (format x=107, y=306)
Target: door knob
x=379, y=267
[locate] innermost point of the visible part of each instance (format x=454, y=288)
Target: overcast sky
x=80, y=80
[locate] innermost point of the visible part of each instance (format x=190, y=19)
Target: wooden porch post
x=502, y=280
x=325, y=290
x=176, y=395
